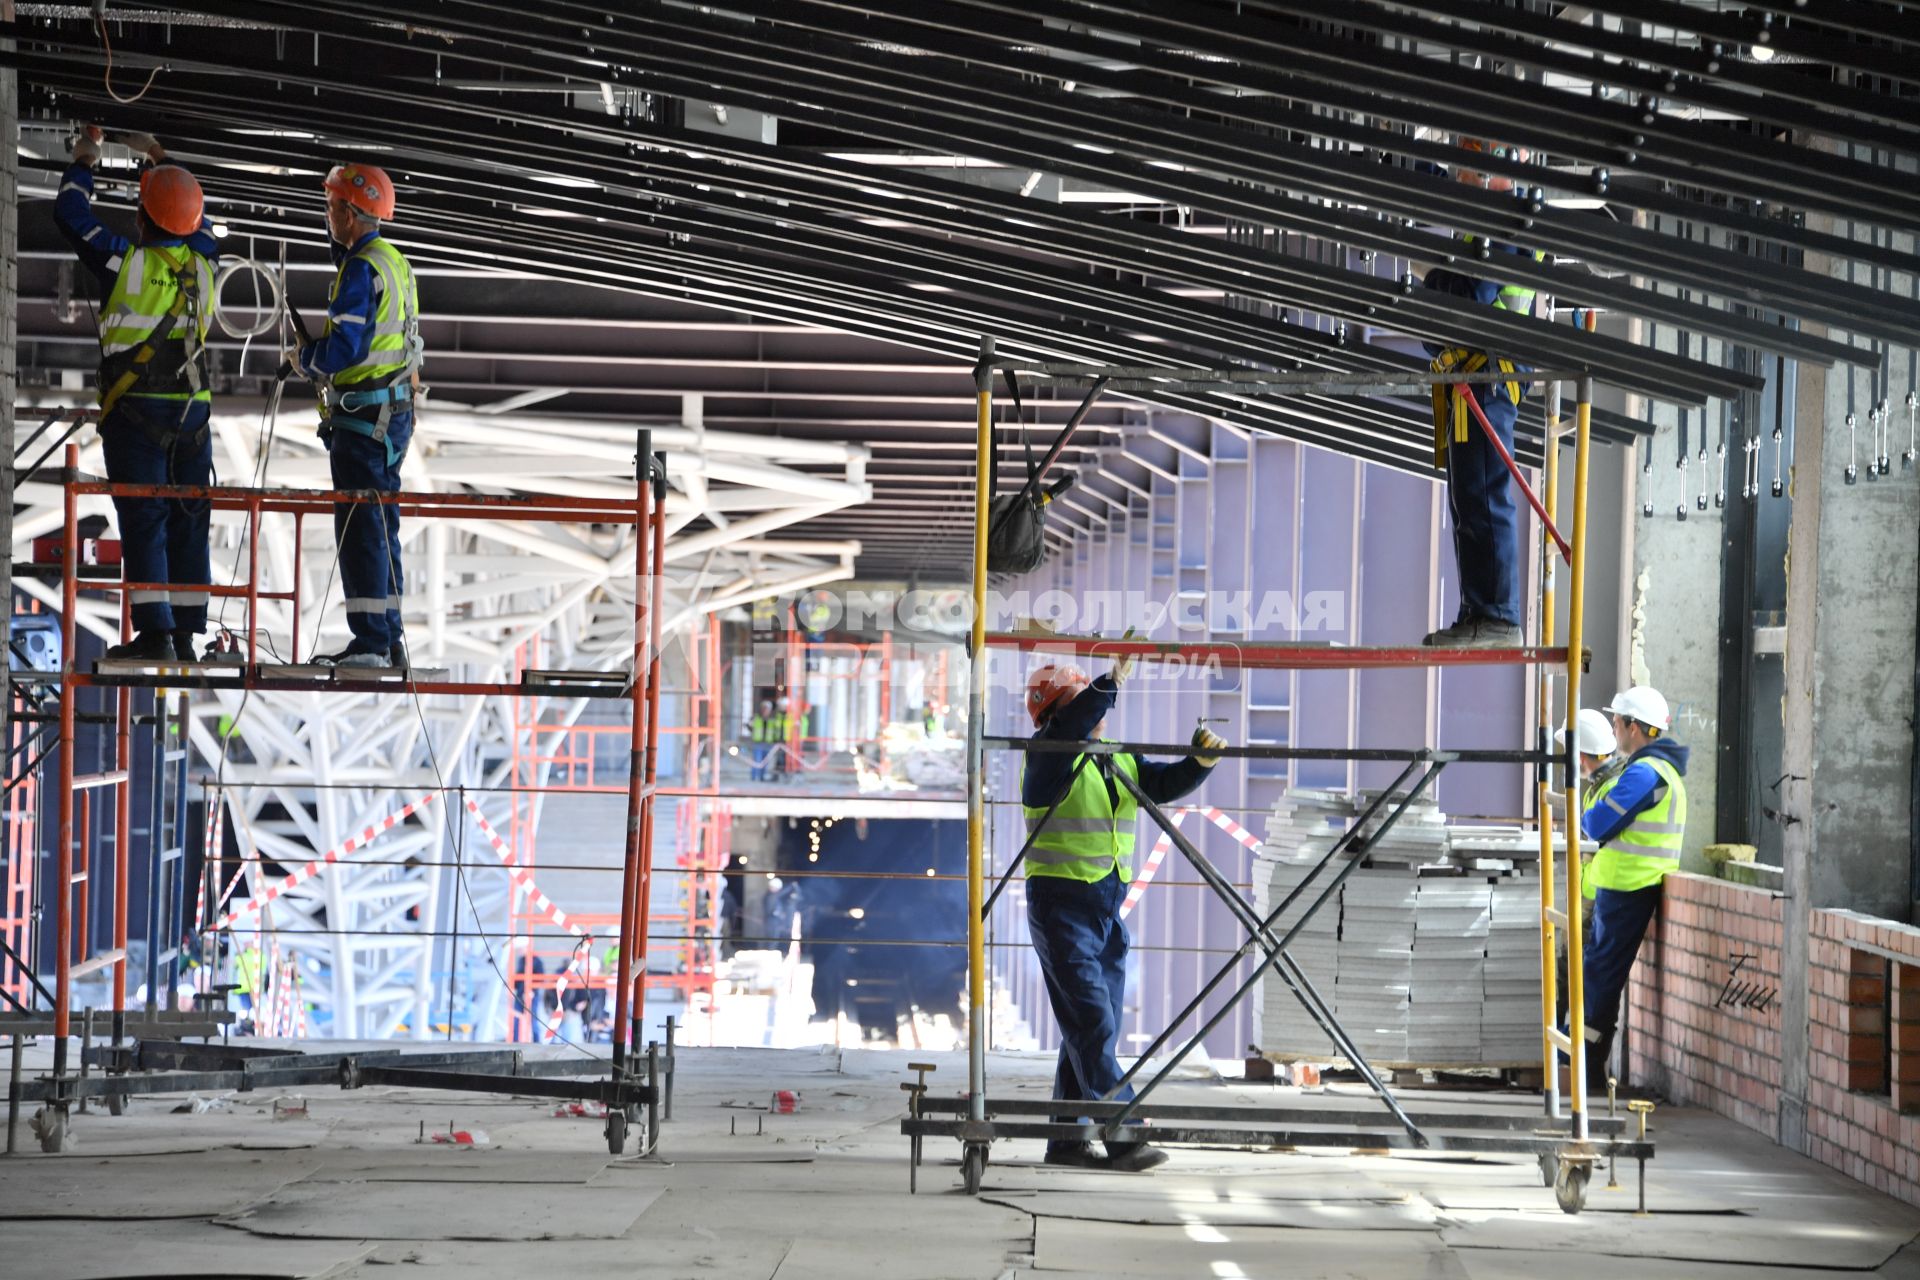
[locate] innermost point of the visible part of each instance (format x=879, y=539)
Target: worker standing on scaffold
x=1486, y=524
x=1078, y=871
x=155, y=401
x=367, y=366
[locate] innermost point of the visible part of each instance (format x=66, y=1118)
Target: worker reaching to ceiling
x=1079, y=867
x=367, y=366
x=155, y=397
x=1639, y=818
x=1486, y=526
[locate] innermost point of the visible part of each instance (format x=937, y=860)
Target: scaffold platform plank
x=288, y=678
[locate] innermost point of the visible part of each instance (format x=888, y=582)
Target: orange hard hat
x=364, y=187
x=1051, y=687
x=1499, y=150
x=172, y=200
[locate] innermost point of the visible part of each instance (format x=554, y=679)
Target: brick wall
x=1865, y=1065
x=1704, y=1024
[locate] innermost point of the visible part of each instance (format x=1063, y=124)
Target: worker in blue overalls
x=367, y=366
x=1079, y=867
x=1486, y=525
x=1639, y=817
x=155, y=401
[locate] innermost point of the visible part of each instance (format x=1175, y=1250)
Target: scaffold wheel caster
x=1570, y=1186
x=973, y=1166
x=1549, y=1168
x=616, y=1130
x=116, y=1104
x=50, y=1126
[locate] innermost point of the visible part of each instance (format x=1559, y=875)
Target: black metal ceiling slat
x=1458, y=314
x=1339, y=176
x=1464, y=323
x=1354, y=412
x=1625, y=189
x=1322, y=429
x=1335, y=125
x=1651, y=69
x=1761, y=334
x=1598, y=132
x=1889, y=25
x=1481, y=325
x=1609, y=426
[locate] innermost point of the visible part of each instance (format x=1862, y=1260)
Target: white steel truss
x=302, y=772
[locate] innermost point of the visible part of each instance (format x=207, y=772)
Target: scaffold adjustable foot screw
x=1643, y=1108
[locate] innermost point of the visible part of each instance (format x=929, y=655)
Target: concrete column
x=1796, y=756
x=1672, y=592
x=1848, y=737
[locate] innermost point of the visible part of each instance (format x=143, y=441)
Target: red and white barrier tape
x=521, y=875
x=1159, y=852
x=210, y=857
x=351, y=845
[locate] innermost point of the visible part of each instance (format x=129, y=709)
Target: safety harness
x=399, y=386
x=124, y=373
x=1452, y=420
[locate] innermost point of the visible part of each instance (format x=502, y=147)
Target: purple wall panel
x=1348, y=545
x=1395, y=582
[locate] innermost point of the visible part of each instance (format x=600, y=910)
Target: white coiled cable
x=268, y=318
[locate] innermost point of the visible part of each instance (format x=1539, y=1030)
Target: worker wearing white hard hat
x=1594, y=740
x=1638, y=817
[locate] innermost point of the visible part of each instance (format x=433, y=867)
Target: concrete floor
x=349, y=1191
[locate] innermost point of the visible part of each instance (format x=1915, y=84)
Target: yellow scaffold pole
x=976, y=757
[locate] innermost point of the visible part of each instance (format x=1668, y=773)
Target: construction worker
x=155, y=400
x=763, y=731
x=1639, y=817
x=1596, y=746
x=783, y=731
x=1486, y=525
x=367, y=366
x=1078, y=869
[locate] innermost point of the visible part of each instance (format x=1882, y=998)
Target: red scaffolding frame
x=561, y=758
x=74, y=953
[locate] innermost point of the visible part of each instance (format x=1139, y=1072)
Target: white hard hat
x=1593, y=736
x=1642, y=703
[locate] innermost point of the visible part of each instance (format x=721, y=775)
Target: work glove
x=1205, y=739
x=1122, y=669
x=144, y=145
x=290, y=359
x=86, y=151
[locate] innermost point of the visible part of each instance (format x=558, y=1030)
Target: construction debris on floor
x=821, y=1194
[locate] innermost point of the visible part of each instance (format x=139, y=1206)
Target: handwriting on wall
x=1742, y=993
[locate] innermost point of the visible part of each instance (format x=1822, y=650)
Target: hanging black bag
x=1017, y=522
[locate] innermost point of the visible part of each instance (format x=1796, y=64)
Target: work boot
x=1135, y=1157
x=146, y=646
x=1075, y=1155
x=183, y=647
x=1475, y=633
x=397, y=656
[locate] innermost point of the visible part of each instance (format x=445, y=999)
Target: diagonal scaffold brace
x=1351, y=845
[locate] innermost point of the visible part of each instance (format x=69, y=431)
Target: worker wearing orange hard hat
x=155, y=398
x=367, y=367
x=1485, y=517
x=1079, y=865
